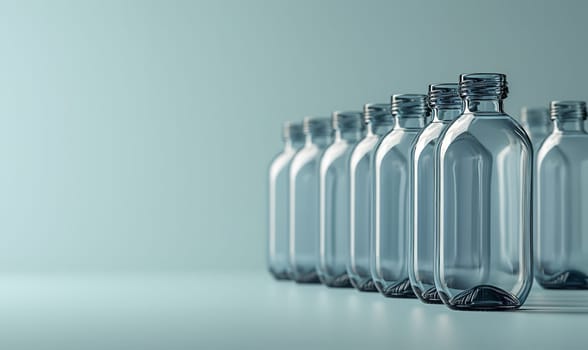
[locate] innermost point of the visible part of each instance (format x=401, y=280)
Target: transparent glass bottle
x=304, y=200
x=334, y=199
x=537, y=124
x=561, y=255
x=379, y=122
x=392, y=197
x=484, y=257
x=446, y=105
x=279, y=173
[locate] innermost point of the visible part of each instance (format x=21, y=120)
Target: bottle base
x=341, y=281
x=482, y=298
x=364, y=284
x=281, y=276
x=401, y=289
x=310, y=277
x=429, y=296
x=566, y=280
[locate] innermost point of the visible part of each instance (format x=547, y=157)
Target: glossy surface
x=561, y=253
x=361, y=205
x=334, y=203
x=304, y=207
x=485, y=162
x=182, y=311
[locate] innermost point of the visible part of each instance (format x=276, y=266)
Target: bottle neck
x=570, y=125
x=475, y=105
x=379, y=128
x=410, y=123
x=321, y=140
x=445, y=114
x=350, y=135
x=293, y=144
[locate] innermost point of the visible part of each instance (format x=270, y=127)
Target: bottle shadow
x=556, y=302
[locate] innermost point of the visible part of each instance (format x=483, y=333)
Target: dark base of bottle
x=566, y=280
x=364, y=284
x=311, y=277
x=281, y=276
x=401, y=289
x=341, y=281
x=482, y=298
x=429, y=296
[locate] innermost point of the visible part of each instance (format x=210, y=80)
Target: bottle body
x=561, y=251
x=392, y=173
x=278, y=230
x=446, y=105
x=334, y=200
x=484, y=219
x=278, y=242
x=304, y=205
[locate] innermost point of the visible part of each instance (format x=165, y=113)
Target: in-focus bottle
x=279, y=187
x=392, y=197
x=304, y=200
x=334, y=199
x=379, y=122
x=537, y=124
x=446, y=105
x=561, y=246
x=484, y=221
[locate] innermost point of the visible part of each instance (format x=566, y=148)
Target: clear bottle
x=304, y=200
x=536, y=123
x=334, y=199
x=392, y=197
x=379, y=122
x=446, y=105
x=561, y=254
x=279, y=173
x=484, y=257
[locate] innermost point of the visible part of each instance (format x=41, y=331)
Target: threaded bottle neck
x=293, y=132
x=483, y=86
x=568, y=115
x=445, y=101
x=410, y=106
x=317, y=128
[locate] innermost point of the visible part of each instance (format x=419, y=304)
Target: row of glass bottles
x=383, y=200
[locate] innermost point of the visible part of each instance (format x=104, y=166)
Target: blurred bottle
x=304, y=200
x=561, y=255
x=484, y=223
x=379, y=122
x=537, y=125
x=334, y=199
x=279, y=172
x=392, y=197
x=446, y=105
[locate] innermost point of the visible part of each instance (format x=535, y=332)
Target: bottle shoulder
x=492, y=132
x=281, y=161
x=363, y=149
x=429, y=136
x=569, y=145
x=336, y=153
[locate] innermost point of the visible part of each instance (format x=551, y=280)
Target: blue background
x=136, y=135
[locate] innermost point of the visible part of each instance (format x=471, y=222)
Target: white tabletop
x=249, y=310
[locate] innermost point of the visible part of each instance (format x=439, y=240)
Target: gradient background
x=136, y=135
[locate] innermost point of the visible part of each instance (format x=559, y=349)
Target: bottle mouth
x=293, y=131
x=567, y=110
x=410, y=106
x=445, y=95
x=535, y=115
x=483, y=85
x=347, y=120
x=377, y=112
x=317, y=126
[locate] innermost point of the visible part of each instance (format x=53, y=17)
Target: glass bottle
x=379, y=122
x=334, y=199
x=536, y=123
x=446, y=105
x=304, y=200
x=279, y=172
x=561, y=255
x=484, y=257
x=391, y=197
